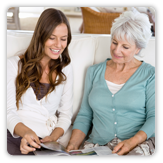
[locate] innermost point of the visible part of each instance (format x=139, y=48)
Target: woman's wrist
x=56, y=134
x=74, y=143
x=139, y=138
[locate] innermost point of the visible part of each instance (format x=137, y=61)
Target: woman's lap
x=13, y=145
x=144, y=149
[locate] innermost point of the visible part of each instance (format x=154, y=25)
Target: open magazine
x=54, y=148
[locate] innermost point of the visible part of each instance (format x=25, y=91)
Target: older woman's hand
x=76, y=140
x=71, y=146
x=126, y=146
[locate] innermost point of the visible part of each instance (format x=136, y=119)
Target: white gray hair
x=132, y=26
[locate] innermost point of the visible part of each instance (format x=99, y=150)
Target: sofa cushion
x=17, y=42
x=82, y=52
x=95, y=9
x=148, y=54
x=102, y=51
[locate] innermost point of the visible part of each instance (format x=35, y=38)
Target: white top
x=39, y=115
x=114, y=88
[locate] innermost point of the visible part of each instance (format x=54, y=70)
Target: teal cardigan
x=120, y=115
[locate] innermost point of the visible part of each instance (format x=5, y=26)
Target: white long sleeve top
x=39, y=115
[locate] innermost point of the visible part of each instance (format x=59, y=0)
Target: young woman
x=39, y=85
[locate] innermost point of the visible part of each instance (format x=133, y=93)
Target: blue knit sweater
x=123, y=114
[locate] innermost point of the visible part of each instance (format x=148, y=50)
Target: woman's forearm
x=140, y=137
x=20, y=129
x=76, y=139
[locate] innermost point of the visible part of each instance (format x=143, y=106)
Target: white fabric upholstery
x=85, y=50
x=81, y=57
x=95, y=9
x=17, y=42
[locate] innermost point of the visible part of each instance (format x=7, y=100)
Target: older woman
x=119, y=95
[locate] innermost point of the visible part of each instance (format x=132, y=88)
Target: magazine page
x=50, y=152
x=103, y=151
x=99, y=151
x=51, y=148
x=55, y=146
x=91, y=152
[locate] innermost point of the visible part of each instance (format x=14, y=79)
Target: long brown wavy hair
x=30, y=70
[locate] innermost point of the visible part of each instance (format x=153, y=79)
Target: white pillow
x=82, y=52
x=142, y=9
x=94, y=8
x=17, y=42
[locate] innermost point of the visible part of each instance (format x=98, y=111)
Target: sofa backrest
x=85, y=50
x=81, y=58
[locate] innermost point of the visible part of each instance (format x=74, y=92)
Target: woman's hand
x=76, y=140
x=71, y=146
x=124, y=147
x=47, y=139
x=55, y=135
x=30, y=138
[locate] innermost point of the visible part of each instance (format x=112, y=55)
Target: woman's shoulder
x=148, y=68
x=96, y=70
x=12, y=65
x=147, y=72
x=13, y=60
x=68, y=68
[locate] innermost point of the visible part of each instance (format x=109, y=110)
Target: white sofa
x=85, y=50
